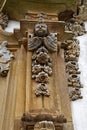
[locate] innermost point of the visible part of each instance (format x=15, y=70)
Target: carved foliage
x=42, y=89
x=75, y=26
x=5, y=59
x=41, y=70
x=41, y=65
x=71, y=55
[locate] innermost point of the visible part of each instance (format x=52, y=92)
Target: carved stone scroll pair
x=42, y=122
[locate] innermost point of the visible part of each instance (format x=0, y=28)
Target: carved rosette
x=5, y=59
x=71, y=55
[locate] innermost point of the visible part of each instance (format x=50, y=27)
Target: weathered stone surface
x=20, y=87
x=17, y=12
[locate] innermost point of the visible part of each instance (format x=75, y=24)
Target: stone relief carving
x=42, y=44
x=5, y=59
x=50, y=121
x=3, y=20
x=44, y=125
x=75, y=94
x=42, y=89
x=41, y=65
x=76, y=26
x=71, y=55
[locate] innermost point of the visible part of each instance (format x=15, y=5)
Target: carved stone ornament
x=71, y=55
x=3, y=20
x=28, y=121
x=44, y=125
x=75, y=94
x=42, y=44
x=41, y=117
x=75, y=26
x=42, y=89
x=5, y=59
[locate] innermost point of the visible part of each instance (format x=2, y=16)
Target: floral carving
x=5, y=59
x=72, y=52
x=42, y=58
x=75, y=94
x=41, y=70
x=42, y=89
x=75, y=26
x=42, y=77
x=42, y=44
x=36, y=69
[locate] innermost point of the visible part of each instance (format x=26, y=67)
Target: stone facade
x=35, y=86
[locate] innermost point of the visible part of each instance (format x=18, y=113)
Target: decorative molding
x=5, y=59
x=75, y=94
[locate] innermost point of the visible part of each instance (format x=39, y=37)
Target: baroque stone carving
x=41, y=117
x=28, y=122
x=42, y=37
x=3, y=20
x=42, y=44
x=5, y=59
x=44, y=125
x=75, y=94
x=71, y=55
x=42, y=89
x=41, y=65
x=75, y=26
